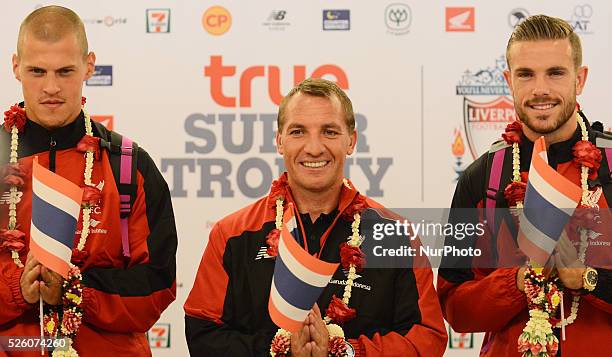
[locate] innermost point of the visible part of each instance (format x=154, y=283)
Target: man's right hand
x=520, y=276
x=318, y=333
x=51, y=286
x=300, y=346
x=30, y=286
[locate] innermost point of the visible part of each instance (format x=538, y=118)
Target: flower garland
x=544, y=295
x=71, y=313
x=12, y=238
x=65, y=320
x=352, y=258
x=91, y=194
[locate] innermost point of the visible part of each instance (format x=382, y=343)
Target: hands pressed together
x=49, y=287
x=569, y=268
x=313, y=338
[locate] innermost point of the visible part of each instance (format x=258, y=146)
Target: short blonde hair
x=319, y=88
x=542, y=27
x=51, y=24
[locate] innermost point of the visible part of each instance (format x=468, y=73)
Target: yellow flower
x=556, y=299
x=75, y=298
x=50, y=326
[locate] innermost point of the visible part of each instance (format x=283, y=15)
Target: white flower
x=335, y=331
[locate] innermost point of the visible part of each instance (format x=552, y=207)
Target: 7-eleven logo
x=158, y=20
x=462, y=341
x=159, y=336
x=106, y=120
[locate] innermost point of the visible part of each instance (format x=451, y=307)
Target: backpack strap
x=123, y=156
x=605, y=145
x=604, y=142
x=498, y=151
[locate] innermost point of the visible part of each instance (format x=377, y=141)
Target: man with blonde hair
x=384, y=312
x=125, y=242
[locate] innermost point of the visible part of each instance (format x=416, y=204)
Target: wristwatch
x=350, y=350
x=589, y=279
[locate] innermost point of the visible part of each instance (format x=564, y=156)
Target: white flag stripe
x=553, y=196
x=55, y=198
x=544, y=156
x=291, y=225
x=51, y=245
x=284, y=307
x=543, y=241
x=298, y=270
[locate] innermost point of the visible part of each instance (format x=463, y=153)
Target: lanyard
x=325, y=235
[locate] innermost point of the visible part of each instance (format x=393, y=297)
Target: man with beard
x=545, y=74
x=384, y=312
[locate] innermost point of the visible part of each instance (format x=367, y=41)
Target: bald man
x=127, y=259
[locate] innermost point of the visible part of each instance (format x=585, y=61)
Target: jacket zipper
x=52, y=145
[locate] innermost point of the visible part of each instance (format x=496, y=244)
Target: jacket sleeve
x=419, y=327
x=206, y=332
x=495, y=297
x=601, y=297
x=470, y=287
x=131, y=298
x=11, y=299
x=600, y=258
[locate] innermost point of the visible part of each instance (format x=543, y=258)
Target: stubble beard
x=565, y=115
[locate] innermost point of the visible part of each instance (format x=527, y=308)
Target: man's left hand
x=319, y=337
x=51, y=286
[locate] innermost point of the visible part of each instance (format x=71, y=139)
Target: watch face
x=350, y=350
x=592, y=277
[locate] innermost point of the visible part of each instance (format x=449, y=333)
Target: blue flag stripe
x=544, y=216
x=51, y=245
x=53, y=222
x=295, y=291
x=540, y=240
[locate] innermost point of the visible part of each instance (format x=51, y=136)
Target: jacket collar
x=347, y=195
x=558, y=153
x=36, y=138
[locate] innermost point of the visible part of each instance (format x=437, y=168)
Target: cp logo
x=217, y=20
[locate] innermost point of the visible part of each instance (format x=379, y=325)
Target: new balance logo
x=6, y=197
x=262, y=253
x=277, y=15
